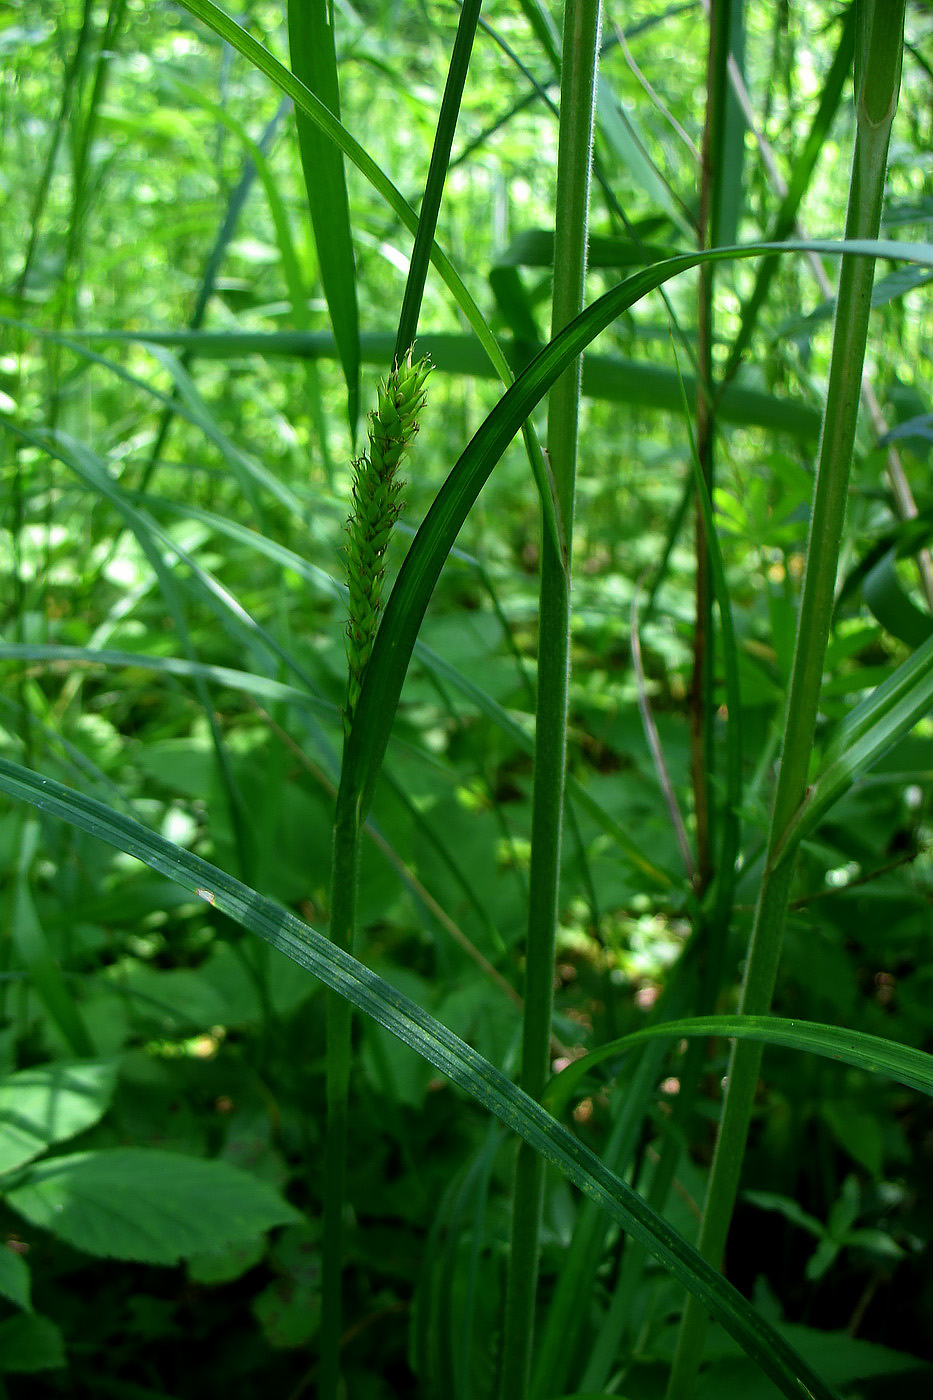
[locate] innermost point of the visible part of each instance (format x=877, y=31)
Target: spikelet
x=376, y=507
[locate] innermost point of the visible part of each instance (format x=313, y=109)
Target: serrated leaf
x=144, y=1204
x=50, y=1103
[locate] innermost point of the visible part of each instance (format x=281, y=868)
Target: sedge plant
x=589, y=1336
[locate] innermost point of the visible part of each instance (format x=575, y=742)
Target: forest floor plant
x=521, y=1291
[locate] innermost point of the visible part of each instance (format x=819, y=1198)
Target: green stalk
x=578, y=91
x=375, y=510
x=339, y=1022
x=711, y=196
x=878, y=66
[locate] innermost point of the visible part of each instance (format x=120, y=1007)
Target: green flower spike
x=376, y=508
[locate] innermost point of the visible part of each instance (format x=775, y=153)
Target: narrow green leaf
x=422, y=567
x=320, y=114
x=619, y=131
x=805, y=163
x=729, y=156
x=437, y=174
x=314, y=61
x=331, y=128
x=869, y=1052
x=145, y=1204
x=610, y=377
x=865, y=735
x=455, y=1059
x=36, y=954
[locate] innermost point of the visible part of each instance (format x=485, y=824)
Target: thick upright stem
x=578, y=92
x=878, y=63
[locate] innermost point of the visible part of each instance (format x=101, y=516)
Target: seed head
x=376, y=507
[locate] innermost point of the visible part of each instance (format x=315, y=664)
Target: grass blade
x=873, y=1053
x=437, y=174
x=450, y=1055
x=314, y=61
x=866, y=734
x=610, y=377
x=422, y=567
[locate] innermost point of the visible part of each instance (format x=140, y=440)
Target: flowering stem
x=376, y=508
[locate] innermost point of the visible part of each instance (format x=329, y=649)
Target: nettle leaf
x=51, y=1103
x=148, y=1205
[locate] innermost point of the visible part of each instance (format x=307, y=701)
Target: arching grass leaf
x=469, y=1070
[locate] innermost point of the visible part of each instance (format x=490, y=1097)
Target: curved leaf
x=613, y=378
x=868, y=1052
x=406, y=607
x=461, y=1064
x=863, y=737
x=890, y=603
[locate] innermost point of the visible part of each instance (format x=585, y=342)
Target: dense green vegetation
x=636, y=752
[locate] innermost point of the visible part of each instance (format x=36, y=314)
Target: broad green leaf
x=770, y=1200
x=144, y=1204
x=846, y=1361
x=248, y=682
x=887, y=289
x=868, y=1052
x=314, y=61
x=450, y=1055
x=49, y=1104
x=225, y=1265
x=15, y=1279
x=30, y=1342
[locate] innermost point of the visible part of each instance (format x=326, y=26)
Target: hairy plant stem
x=578, y=93
x=878, y=64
